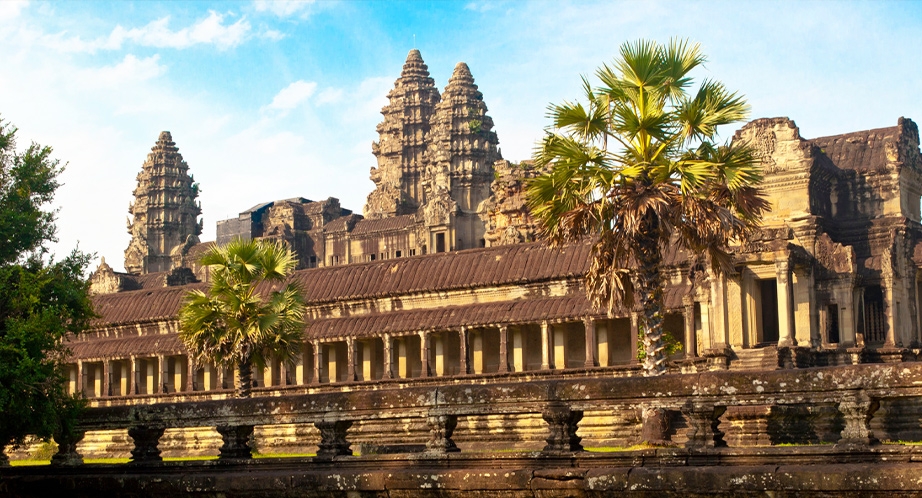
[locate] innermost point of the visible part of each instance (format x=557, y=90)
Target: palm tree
x=638, y=169
x=238, y=321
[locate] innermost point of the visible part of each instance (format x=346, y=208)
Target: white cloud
x=129, y=70
x=284, y=8
x=211, y=30
x=10, y=9
x=330, y=96
x=479, y=6
x=293, y=95
x=272, y=34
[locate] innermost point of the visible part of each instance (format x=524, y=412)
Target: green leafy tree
x=239, y=322
x=41, y=300
x=638, y=168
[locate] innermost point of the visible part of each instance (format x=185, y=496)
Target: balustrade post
x=67, y=455
x=591, y=349
x=236, y=442
x=333, y=441
x=441, y=428
x=424, y=370
x=503, y=349
x=702, y=419
x=350, y=359
x=562, y=425
x=857, y=410
x=655, y=425
x=146, y=443
x=464, y=369
x=388, y=357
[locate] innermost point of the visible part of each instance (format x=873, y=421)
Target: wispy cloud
x=284, y=8
x=293, y=95
x=212, y=30
x=130, y=70
x=481, y=6
x=10, y=9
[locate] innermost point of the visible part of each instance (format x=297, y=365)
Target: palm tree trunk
x=650, y=287
x=244, y=378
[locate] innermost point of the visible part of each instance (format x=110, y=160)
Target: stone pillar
x=424, y=354
x=350, y=353
x=518, y=350
x=441, y=428
x=589, y=328
x=890, y=340
x=299, y=369
x=691, y=345
x=545, y=346
x=164, y=370
x=190, y=374
x=465, y=367
x=146, y=443
x=785, y=322
x=333, y=438
x=562, y=425
x=177, y=373
x=207, y=377
x=857, y=411
x=806, y=331
x=236, y=442
x=317, y=359
x=368, y=360
x=267, y=373
x=403, y=365
x=439, y=343
x=388, y=357
x=560, y=347
x=150, y=383
x=477, y=352
x=702, y=419
x=81, y=378
x=67, y=455
x=332, y=364
x=132, y=376
x=124, y=379
x=503, y=349
x=106, y=378
x=219, y=377
x=601, y=342
x=635, y=336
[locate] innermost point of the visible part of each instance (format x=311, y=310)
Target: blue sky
x=268, y=100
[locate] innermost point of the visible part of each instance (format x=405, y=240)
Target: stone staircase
x=758, y=358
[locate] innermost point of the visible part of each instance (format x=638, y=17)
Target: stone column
x=439, y=344
x=219, y=377
x=368, y=360
x=560, y=347
x=150, y=381
x=146, y=443
x=403, y=366
x=601, y=343
x=132, y=375
x=388, y=357
x=441, y=428
x=333, y=438
x=106, y=378
x=81, y=377
x=518, y=350
x=350, y=353
x=163, y=366
x=562, y=425
x=190, y=374
x=545, y=346
x=424, y=354
x=317, y=359
x=806, y=330
x=465, y=368
x=890, y=312
x=503, y=349
x=236, y=442
x=477, y=352
x=702, y=419
x=589, y=328
x=635, y=336
x=332, y=363
x=858, y=411
x=691, y=345
x=785, y=322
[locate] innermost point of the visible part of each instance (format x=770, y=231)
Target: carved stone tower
x=164, y=211
x=460, y=157
x=401, y=147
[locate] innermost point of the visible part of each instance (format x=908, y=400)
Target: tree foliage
x=238, y=321
x=41, y=300
x=636, y=165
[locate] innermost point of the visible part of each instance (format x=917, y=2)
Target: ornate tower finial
x=164, y=212
x=402, y=144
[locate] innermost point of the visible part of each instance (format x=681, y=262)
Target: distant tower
x=165, y=213
x=459, y=170
x=401, y=148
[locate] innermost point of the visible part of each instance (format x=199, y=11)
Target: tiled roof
x=511, y=264
x=141, y=305
x=124, y=347
x=366, y=226
x=451, y=317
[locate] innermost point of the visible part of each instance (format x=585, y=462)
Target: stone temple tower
x=164, y=212
x=401, y=147
x=459, y=169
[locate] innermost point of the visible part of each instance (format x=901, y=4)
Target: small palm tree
x=238, y=321
x=638, y=169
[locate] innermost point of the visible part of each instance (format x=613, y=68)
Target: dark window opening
x=440, y=242
x=373, y=257
x=412, y=252
x=832, y=323
x=874, y=322
x=769, y=291
x=313, y=262
x=424, y=249
x=483, y=243
x=397, y=254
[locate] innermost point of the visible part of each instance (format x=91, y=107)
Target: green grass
x=904, y=443
x=614, y=449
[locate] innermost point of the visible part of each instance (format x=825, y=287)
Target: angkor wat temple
x=443, y=276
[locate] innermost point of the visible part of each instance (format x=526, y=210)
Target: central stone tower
x=164, y=211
